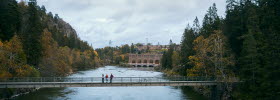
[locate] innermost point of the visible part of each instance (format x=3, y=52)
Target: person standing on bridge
x=111, y=78
x=102, y=78
x=106, y=78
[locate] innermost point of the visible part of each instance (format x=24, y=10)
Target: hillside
x=36, y=43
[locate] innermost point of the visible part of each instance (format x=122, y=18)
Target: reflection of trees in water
x=190, y=94
x=48, y=94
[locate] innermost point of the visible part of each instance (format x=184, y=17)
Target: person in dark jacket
x=102, y=78
x=111, y=78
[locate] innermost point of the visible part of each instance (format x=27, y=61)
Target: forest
x=245, y=44
x=36, y=43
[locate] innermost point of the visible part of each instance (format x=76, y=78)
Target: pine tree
x=163, y=60
x=31, y=38
x=196, y=26
x=10, y=19
x=230, y=5
x=235, y=25
x=169, y=54
x=270, y=28
x=186, y=49
x=211, y=21
x=132, y=49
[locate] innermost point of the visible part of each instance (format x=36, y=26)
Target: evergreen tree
x=56, y=17
x=10, y=19
x=125, y=49
x=43, y=8
x=211, y=22
x=249, y=64
x=164, y=60
x=186, y=49
x=132, y=48
x=196, y=26
x=50, y=14
x=169, y=55
x=31, y=38
x=72, y=41
x=230, y=5
x=270, y=28
x=235, y=25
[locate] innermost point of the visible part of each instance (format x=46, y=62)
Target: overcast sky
x=130, y=21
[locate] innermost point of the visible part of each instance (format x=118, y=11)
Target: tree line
x=244, y=44
x=116, y=55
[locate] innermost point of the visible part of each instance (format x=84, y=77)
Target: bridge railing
x=99, y=79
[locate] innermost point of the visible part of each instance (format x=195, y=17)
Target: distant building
x=144, y=60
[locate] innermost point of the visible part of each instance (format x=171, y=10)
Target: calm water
x=114, y=93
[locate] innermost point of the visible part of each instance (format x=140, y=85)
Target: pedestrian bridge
x=47, y=82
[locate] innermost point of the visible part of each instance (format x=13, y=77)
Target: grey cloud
x=130, y=21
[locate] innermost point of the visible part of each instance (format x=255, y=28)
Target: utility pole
x=110, y=43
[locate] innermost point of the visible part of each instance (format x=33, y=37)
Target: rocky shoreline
x=9, y=93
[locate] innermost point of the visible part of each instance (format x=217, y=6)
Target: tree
x=50, y=14
x=132, y=48
x=64, y=61
x=168, y=56
x=186, y=49
x=164, y=60
x=260, y=57
x=43, y=8
x=211, y=21
x=196, y=26
x=270, y=28
x=56, y=17
x=31, y=38
x=249, y=63
x=221, y=56
x=176, y=61
x=200, y=59
x=9, y=19
x=13, y=60
x=212, y=57
x=125, y=49
x=49, y=53
x=230, y=5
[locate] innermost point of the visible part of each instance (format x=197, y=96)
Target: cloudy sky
x=130, y=21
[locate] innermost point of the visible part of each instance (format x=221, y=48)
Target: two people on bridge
x=111, y=78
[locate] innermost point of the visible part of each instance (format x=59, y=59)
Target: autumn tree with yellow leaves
x=13, y=60
x=212, y=58
x=61, y=61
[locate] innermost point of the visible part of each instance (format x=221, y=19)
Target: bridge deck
x=97, y=82
x=92, y=84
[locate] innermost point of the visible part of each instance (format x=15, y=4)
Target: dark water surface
x=114, y=93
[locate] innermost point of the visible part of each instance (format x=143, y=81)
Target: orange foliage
x=13, y=60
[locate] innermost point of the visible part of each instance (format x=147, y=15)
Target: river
x=114, y=93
